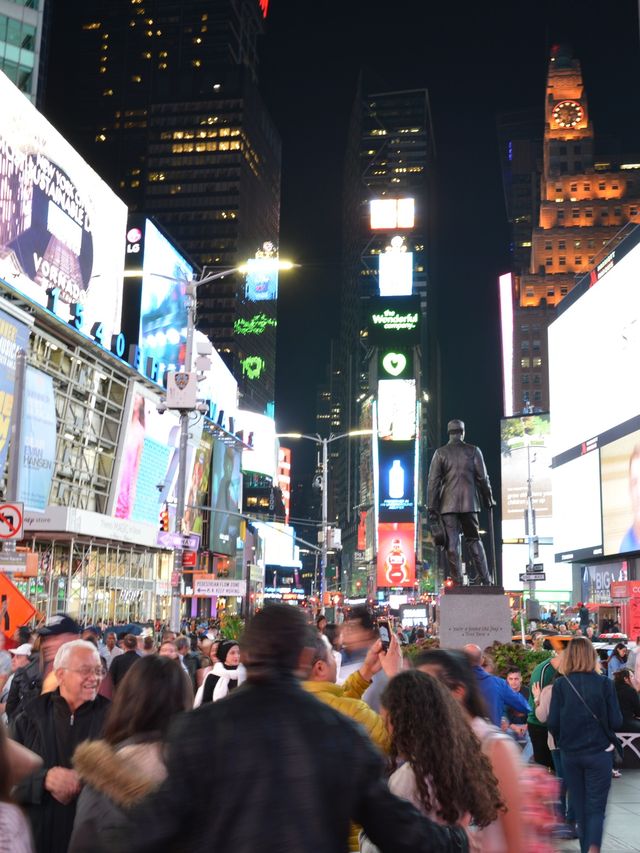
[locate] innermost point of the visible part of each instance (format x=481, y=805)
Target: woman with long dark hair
x=628, y=700
x=617, y=660
x=505, y=834
x=583, y=715
x=440, y=767
x=127, y=763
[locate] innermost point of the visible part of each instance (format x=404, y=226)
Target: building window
x=551, y=291
x=578, y=260
x=530, y=293
x=537, y=362
x=577, y=244
x=524, y=362
x=536, y=379
x=563, y=167
x=589, y=213
x=524, y=346
x=617, y=211
x=577, y=149
x=562, y=261
x=562, y=149
x=563, y=291
x=525, y=378
x=590, y=244
x=537, y=396
x=604, y=212
x=574, y=188
x=586, y=187
x=548, y=263
x=575, y=213
x=614, y=186
x=558, y=190
x=524, y=328
x=536, y=346
x=633, y=210
x=602, y=185
x=578, y=165
x=562, y=245
x=591, y=259
x=548, y=246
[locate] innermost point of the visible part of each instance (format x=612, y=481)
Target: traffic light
x=164, y=519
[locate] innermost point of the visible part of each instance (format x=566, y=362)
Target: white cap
x=24, y=649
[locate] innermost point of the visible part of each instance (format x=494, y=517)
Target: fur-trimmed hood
x=125, y=774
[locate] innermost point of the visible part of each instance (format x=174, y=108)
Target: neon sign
x=255, y=326
x=391, y=320
x=253, y=366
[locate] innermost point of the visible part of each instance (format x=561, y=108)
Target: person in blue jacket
x=496, y=692
x=617, y=660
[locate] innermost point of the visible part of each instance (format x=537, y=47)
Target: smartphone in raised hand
x=385, y=635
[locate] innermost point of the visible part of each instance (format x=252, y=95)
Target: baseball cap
x=24, y=649
x=59, y=624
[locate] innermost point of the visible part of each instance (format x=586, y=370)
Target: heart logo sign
x=394, y=363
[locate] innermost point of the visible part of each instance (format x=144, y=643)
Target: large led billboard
x=395, y=363
x=396, y=565
x=394, y=321
x=198, y=485
x=226, y=498
x=594, y=353
x=390, y=213
x=261, y=282
x=61, y=228
x=260, y=432
x=163, y=306
x=395, y=274
x=396, y=409
x=396, y=471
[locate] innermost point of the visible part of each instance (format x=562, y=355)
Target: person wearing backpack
x=583, y=716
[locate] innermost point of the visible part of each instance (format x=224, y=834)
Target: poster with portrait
x=620, y=483
x=198, y=485
x=226, y=498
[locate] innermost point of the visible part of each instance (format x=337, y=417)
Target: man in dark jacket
x=190, y=661
x=121, y=665
x=52, y=726
x=458, y=480
x=27, y=682
x=295, y=772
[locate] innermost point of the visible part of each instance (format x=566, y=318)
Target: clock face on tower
x=567, y=113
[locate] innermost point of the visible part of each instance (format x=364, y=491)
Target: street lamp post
x=325, y=442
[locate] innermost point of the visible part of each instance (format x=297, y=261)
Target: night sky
x=476, y=60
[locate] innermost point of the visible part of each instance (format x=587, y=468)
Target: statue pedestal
x=474, y=614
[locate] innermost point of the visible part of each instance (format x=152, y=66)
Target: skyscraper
x=167, y=109
x=586, y=199
x=23, y=44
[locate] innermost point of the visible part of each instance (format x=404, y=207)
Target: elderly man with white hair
x=52, y=725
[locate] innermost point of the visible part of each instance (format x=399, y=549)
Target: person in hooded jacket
x=128, y=763
x=224, y=675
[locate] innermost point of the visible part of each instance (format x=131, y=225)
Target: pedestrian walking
x=583, y=716
x=224, y=675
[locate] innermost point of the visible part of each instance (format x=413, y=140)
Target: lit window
x=196, y=63
x=107, y=92
x=562, y=244
x=537, y=362
x=562, y=261
x=103, y=69
x=524, y=362
x=577, y=244
x=136, y=78
x=578, y=260
x=586, y=187
x=101, y=138
x=94, y=25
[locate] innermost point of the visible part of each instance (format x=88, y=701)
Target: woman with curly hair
x=505, y=834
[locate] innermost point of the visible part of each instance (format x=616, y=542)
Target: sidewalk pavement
x=622, y=824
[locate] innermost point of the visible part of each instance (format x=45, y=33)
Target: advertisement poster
x=226, y=498
x=262, y=279
x=13, y=336
x=525, y=449
x=38, y=440
x=396, y=462
x=620, y=479
x=163, y=306
x=198, y=486
x=396, y=409
x=61, y=228
x=260, y=432
x=396, y=555
x=395, y=277
x=394, y=321
x=148, y=455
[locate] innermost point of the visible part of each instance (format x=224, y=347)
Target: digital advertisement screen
x=395, y=363
x=396, y=409
x=395, y=274
x=396, y=461
x=396, y=555
x=13, y=336
x=198, y=485
x=261, y=282
x=163, y=306
x=394, y=321
x=61, y=227
x=391, y=213
x=226, y=498
x=594, y=352
x=263, y=458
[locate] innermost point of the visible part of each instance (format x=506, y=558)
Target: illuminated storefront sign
x=396, y=555
x=394, y=321
x=262, y=279
x=61, y=227
x=389, y=213
x=396, y=409
x=395, y=364
x=255, y=326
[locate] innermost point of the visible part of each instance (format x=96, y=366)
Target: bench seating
x=631, y=743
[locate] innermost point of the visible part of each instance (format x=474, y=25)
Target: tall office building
x=585, y=202
x=23, y=44
x=387, y=225
x=166, y=107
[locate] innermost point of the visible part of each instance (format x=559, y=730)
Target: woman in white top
x=440, y=766
x=506, y=834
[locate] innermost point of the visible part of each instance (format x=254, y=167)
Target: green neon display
x=255, y=326
x=253, y=366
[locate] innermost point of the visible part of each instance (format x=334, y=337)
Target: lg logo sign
x=134, y=241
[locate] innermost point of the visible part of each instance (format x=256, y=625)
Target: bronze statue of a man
x=458, y=489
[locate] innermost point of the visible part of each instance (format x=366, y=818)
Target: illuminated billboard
x=506, y=329
x=395, y=363
x=394, y=321
x=61, y=227
x=396, y=409
x=594, y=353
x=163, y=306
x=260, y=431
x=396, y=472
x=13, y=336
x=198, y=485
x=226, y=499
x=390, y=213
x=261, y=283
x=396, y=565
x=395, y=276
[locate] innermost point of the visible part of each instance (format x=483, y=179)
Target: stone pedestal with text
x=479, y=615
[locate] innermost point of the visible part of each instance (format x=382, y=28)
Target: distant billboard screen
x=594, y=353
x=260, y=430
x=396, y=409
x=390, y=213
x=396, y=461
x=394, y=321
x=395, y=275
x=61, y=228
x=395, y=363
x=226, y=499
x=163, y=306
x=261, y=279
x=396, y=566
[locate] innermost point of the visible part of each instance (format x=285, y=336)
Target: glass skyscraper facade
x=22, y=41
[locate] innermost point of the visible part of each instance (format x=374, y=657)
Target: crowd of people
x=301, y=737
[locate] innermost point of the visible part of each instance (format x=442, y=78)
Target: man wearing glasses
x=52, y=725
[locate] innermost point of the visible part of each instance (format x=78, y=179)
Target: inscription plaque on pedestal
x=469, y=615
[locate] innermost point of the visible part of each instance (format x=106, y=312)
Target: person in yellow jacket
x=346, y=697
